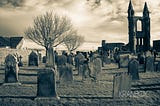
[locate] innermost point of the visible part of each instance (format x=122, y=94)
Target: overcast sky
x=96, y=21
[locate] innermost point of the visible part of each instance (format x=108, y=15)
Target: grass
x=78, y=93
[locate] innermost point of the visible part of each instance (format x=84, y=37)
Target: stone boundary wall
x=23, y=52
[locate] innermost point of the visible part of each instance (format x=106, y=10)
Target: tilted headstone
x=121, y=84
x=11, y=69
x=133, y=69
x=46, y=83
x=33, y=59
x=66, y=73
x=124, y=60
x=149, y=64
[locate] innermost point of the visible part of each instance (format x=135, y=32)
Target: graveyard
x=145, y=91
x=56, y=63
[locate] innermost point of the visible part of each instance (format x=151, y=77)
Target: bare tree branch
x=49, y=25
x=73, y=41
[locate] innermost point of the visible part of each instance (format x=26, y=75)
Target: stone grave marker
x=149, y=64
x=33, y=59
x=66, y=73
x=11, y=69
x=95, y=67
x=158, y=67
x=44, y=59
x=133, y=69
x=46, y=83
x=124, y=60
x=121, y=85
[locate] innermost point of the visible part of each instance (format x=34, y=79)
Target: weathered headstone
x=95, y=67
x=44, y=59
x=158, y=67
x=46, y=83
x=121, y=84
x=33, y=59
x=124, y=60
x=66, y=73
x=133, y=69
x=79, y=59
x=11, y=69
x=149, y=64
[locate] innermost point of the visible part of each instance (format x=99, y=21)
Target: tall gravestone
x=121, y=85
x=11, y=69
x=33, y=59
x=46, y=81
x=133, y=69
x=149, y=64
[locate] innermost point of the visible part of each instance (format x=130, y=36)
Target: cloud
x=105, y=20
x=11, y=3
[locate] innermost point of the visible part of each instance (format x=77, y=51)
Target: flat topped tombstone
x=46, y=83
x=11, y=69
x=133, y=69
x=149, y=64
x=33, y=59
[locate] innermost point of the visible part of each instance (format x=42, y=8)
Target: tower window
x=139, y=25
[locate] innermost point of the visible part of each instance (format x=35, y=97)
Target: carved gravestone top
x=11, y=69
x=133, y=69
x=33, y=59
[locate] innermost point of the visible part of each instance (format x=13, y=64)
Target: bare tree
x=73, y=41
x=49, y=28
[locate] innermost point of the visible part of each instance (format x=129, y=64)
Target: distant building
x=156, y=45
x=139, y=37
x=11, y=42
x=110, y=46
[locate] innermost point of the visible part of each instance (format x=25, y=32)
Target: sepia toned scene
x=79, y=53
